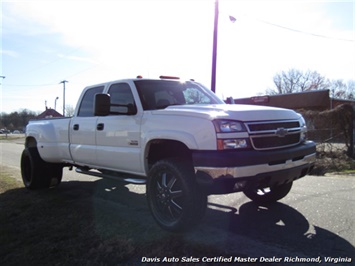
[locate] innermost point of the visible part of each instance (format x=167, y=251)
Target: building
x=317, y=100
x=49, y=113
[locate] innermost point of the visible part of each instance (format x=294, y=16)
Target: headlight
x=239, y=140
x=302, y=122
x=228, y=126
x=303, y=127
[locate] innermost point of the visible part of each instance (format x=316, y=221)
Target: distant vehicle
x=16, y=132
x=176, y=137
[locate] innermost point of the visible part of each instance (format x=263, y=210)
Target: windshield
x=159, y=94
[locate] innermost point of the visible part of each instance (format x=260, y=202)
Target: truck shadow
x=277, y=225
x=110, y=210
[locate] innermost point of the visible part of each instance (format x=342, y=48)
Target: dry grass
x=332, y=158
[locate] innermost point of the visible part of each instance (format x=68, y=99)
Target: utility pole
x=63, y=81
x=215, y=41
x=3, y=77
x=214, y=49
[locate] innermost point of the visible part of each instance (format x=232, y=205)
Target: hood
x=230, y=111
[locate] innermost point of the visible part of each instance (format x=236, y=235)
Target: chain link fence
x=332, y=130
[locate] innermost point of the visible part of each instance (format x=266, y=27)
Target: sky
x=89, y=42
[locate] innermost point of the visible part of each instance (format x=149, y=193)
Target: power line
x=29, y=85
x=233, y=18
x=48, y=63
x=305, y=32
x=51, y=84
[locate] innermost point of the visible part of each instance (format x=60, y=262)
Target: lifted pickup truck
x=176, y=137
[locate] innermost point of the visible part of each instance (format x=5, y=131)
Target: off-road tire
x=175, y=201
x=36, y=173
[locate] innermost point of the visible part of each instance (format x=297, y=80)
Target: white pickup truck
x=176, y=137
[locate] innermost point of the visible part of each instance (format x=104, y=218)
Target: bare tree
x=341, y=90
x=16, y=120
x=312, y=80
x=351, y=90
x=70, y=110
x=297, y=81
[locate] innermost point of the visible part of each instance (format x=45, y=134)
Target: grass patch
x=7, y=182
x=11, y=137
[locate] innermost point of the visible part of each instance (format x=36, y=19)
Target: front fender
x=183, y=137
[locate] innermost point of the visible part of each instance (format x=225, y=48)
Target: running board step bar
x=123, y=177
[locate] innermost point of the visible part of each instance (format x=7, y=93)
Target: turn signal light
x=228, y=144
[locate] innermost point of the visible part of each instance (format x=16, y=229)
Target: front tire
x=36, y=173
x=268, y=195
x=173, y=196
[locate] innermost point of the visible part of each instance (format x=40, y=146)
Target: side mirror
x=102, y=104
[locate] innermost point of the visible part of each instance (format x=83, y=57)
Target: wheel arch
x=158, y=149
x=30, y=142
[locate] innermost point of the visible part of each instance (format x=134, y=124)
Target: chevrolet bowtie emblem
x=281, y=132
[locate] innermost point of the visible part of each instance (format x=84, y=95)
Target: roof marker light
x=168, y=77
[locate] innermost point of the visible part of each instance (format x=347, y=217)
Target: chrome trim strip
x=278, y=128
x=252, y=170
x=270, y=123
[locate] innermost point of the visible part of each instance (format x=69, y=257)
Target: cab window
x=86, y=108
x=122, y=101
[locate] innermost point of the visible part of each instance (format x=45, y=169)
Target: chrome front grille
x=274, y=134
